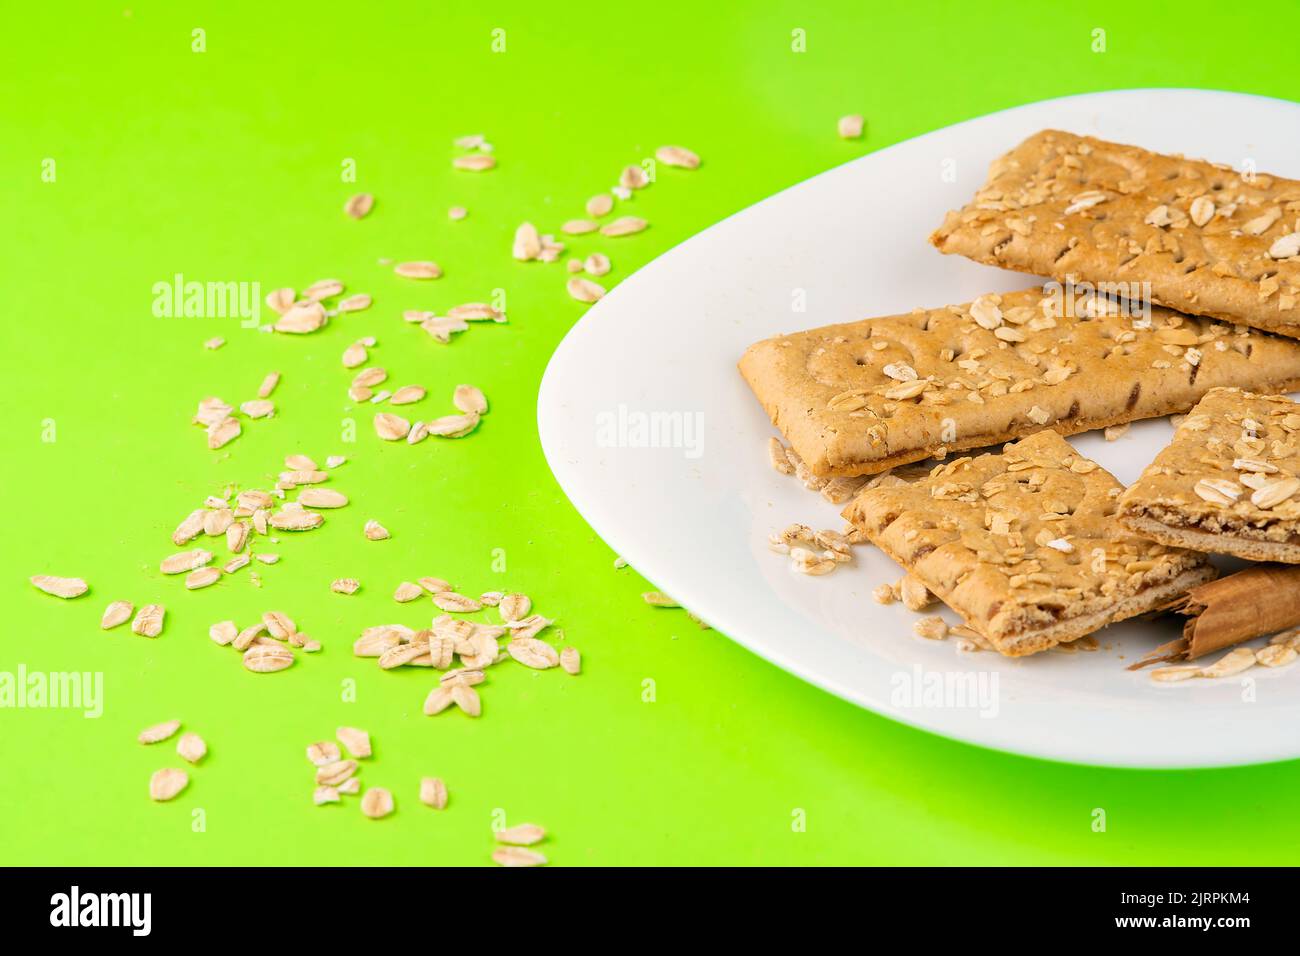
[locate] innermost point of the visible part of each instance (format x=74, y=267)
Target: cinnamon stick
x=1263, y=599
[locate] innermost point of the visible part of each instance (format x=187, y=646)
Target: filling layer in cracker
x=1269, y=530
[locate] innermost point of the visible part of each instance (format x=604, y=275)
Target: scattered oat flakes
x=60, y=587
x=216, y=522
x=678, y=156
x=462, y=675
x=323, y=795
x=456, y=603
x=915, y=595
x=148, y=620
x=391, y=427
x=931, y=628
x=296, y=520
x=571, y=660
x=268, y=385
x=474, y=163
x=533, y=653
x=359, y=206
x=434, y=585
x=279, y=301
x=777, y=456
x=333, y=774
x=514, y=606
x=525, y=834
x=370, y=376
x=355, y=740
x=466, y=698
x=211, y=411
x=345, y=586
x=1276, y=655
x=658, y=599
x=579, y=227
x=469, y=400
x=202, y=578
x=322, y=289
x=115, y=614
x=527, y=243
x=624, y=226
x=159, y=732
x=191, y=747
x=850, y=126
x=323, y=753
x=439, y=699
x=167, y=783
x=418, y=270
x=374, y=531
x=245, y=638
x=804, y=561
x=476, y=312
x=188, y=529
x=516, y=856
x=433, y=792
x=453, y=426
x=301, y=318
x=584, y=290
x=633, y=177
x=322, y=498
x=599, y=205
x=1166, y=675
x=1234, y=662
x=214, y=343
x=407, y=395
x=457, y=213
x=279, y=625
x=354, y=355
x=236, y=537
x=263, y=659
x=223, y=433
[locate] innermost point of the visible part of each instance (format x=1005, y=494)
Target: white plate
x=694, y=519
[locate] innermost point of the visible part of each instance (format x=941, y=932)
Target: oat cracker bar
x=1024, y=544
x=1228, y=483
x=859, y=398
x=1209, y=241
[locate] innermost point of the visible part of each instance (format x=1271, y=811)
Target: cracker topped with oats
x=1228, y=483
x=862, y=397
x=1207, y=240
x=1025, y=546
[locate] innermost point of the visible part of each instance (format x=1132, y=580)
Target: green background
x=225, y=166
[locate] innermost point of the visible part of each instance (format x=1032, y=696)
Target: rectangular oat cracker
x=1024, y=544
x=862, y=397
x=1209, y=241
x=1228, y=482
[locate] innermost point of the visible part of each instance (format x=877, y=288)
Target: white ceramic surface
x=848, y=244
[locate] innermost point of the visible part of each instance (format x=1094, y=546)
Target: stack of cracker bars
x=1036, y=545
